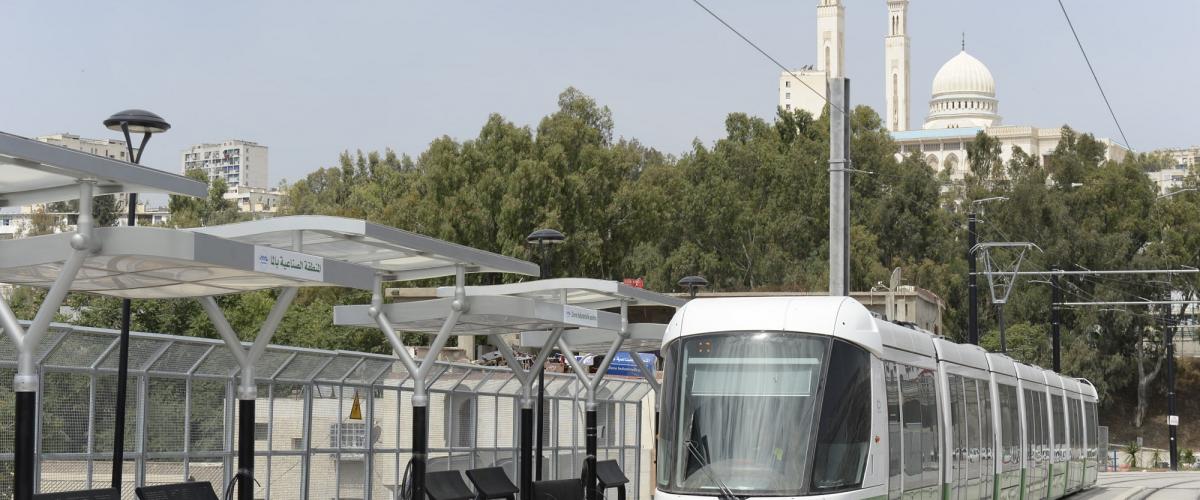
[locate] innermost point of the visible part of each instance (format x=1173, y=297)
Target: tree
x=213, y=210
x=983, y=155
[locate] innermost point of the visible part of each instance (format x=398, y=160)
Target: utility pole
x=1172, y=417
x=1055, y=339
x=972, y=287
x=839, y=186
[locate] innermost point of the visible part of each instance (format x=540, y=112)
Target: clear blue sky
x=310, y=79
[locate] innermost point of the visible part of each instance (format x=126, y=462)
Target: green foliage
x=1187, y=456
x=210, y=211
x=1131, y=454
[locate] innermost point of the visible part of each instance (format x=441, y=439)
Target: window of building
x=787, y=95
x=787, y=107
x=787, y=83
x=348, y=435
x=260, y=430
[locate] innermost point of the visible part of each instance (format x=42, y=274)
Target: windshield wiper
x=726, y=493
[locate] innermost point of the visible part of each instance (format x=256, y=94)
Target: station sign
x=288, y=263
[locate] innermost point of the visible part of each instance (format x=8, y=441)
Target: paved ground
x=1144, y=486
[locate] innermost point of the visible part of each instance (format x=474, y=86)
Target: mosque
x=963, y=99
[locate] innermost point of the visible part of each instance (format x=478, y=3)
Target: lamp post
x=693, y=284
x=127, y=122
x=545, y=240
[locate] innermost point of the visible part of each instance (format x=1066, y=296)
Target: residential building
x=109, y=148
x=238, y=162
x=1183, y=162
x=257, y=201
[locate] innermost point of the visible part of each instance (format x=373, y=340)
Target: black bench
x=104, y=494
x=446, y=485
x=492, y=483
x=609, y=475
x=196, y=490
x=558, y=489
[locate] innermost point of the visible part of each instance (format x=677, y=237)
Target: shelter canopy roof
x=643, y=337
x=405, y=255
x=37, y=172
x=155, y=263
x=585, y=292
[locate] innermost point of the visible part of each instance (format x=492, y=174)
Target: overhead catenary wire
x=1094, y=76
x=768, y=56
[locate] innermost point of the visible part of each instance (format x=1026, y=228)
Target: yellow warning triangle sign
x=355, y=408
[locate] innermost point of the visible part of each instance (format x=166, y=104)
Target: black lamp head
x=545, y=237
x=138, y=121
x=693, y=282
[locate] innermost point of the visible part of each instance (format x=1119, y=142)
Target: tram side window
x=1076, y=428
x=1060, y=419
x=911, y=415
x=929, y=428
x=973, y=440
x=989, y=436
x=919, y=414
x=1010, y=427
x=844, y=435
x=892, y=381
x=1093, y=432
x=958, y=429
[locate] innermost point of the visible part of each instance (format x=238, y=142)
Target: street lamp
x=146, y=123
x=693, y=284
x=545, y=240
x=972, y=286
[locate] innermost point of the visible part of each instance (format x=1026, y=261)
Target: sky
x=311, y=79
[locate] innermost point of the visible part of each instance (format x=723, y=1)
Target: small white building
x=255, y=200
x=108, y=148
x=238, y=162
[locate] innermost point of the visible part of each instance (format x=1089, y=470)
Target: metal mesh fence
x=180, y=422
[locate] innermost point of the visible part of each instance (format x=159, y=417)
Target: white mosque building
x=963, y=100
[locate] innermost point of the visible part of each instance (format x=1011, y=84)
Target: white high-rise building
x=805, y=88
x=239, y=163
x=896, y=61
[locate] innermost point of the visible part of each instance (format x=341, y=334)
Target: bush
x=1132, y=449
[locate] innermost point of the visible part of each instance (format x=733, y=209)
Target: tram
x=816, y=397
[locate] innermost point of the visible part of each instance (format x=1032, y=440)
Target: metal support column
x=27, y=381
x=1055, y=339
x=526, y=401
x=1172, y=417
x=972, y=285
x=839, y=187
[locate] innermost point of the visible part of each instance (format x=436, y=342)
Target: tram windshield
x=763, y=414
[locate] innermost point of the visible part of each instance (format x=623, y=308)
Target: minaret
x=896, y=65
x=831, y=22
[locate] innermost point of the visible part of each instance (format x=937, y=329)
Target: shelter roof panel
x=486, y=315
x=406, y=255
x=643, y=337
x=154, y=263
x=588, y=292
x=141, y=351
x=37, y=172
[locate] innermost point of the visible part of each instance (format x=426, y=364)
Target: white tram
x=815, y=397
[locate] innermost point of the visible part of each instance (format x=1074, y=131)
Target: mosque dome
x=964, y=74
x=964, y=95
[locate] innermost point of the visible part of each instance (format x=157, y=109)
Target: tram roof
x=962, y=354
x=840, y=317
x=403, y=255
x=156, y=263
x=34, y=172
x=1002, y=364
x=643, y=337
